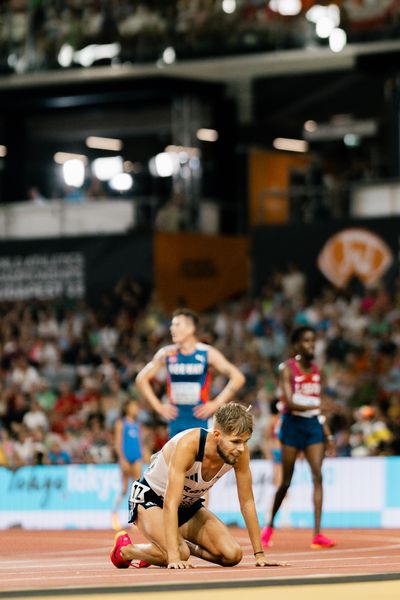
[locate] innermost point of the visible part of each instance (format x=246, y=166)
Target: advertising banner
x=358, y=492
x=355, y=252
x=359, y=252
x=72, y=267
x=199, y=271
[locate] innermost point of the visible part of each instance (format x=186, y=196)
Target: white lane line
x=102, y=560
x=50, y=564
x=61, y=553
x=208, y=570
x=330, y=551
x=99, y=555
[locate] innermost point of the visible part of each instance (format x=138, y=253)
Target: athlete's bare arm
x=327, y=406
x=248, y=509
x=285, y=376
x=182, y=458
x=235, y=378
x=143, y=382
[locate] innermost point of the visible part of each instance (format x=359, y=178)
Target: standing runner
x=303, y=428
x=129, y=451
x=187, y=363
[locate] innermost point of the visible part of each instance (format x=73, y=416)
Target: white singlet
x=195, y=487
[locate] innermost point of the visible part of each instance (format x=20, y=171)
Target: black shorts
x=142, y=494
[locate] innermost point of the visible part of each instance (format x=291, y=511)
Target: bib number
x=138, y=491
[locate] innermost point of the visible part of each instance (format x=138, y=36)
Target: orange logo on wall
x=354, y=253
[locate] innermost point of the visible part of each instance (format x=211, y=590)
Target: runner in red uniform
x=303, y=428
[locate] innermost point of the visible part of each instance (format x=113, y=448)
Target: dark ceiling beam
x=317, y=95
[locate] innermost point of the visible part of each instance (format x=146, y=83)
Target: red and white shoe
x=320, y=542
x=266, y=535
x=142, y=564
x=121, y=539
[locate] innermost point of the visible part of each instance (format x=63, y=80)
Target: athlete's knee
x=285, y=485
x=231, y=555
x=317, y=478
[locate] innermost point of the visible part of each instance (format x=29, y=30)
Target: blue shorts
x=133, y=453
x=276, y=455
x=185, y=421
x=300, y=432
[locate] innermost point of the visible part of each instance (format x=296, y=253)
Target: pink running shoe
x=320, y=541
x=266, y=535
x=142, y=564
x=121, y=539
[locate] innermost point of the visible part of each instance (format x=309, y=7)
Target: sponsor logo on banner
x=42, y=275
x=354, y=253
x=358, y=492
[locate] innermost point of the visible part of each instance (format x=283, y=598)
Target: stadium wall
x=359, y=492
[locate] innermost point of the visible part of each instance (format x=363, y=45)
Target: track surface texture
x=40, y=563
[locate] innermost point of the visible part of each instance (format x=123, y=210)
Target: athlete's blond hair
x=233, y=418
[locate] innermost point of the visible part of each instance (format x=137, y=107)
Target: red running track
x=45, y=560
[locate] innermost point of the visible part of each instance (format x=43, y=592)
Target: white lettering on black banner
x=42, y=276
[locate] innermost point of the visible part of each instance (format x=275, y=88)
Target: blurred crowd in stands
x=67, y=369
x=32, y=32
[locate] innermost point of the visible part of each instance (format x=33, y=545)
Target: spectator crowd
x=67, y=369
x=33, y=32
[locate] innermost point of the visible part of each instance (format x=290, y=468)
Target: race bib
x=185, y=393
x=138, y=491
x=303, y=400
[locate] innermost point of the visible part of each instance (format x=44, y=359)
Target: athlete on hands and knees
x=129, y=452
x=187, y=363
x=303, y=428
x=167, y=503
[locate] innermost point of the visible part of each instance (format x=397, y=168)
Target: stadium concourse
x=366, y=564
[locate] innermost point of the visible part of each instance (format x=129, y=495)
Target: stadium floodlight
x=164, y=164
x=122, y=182
x=290, y=145
x=169, y=55
x=207, y=135
x=337, y=39
x=106, y=168
x=287, y=8
x=90, y=54
x=324, y=27
x=74, y=172
x=104, y=143
x=229, y=6
x=65, y=55
x=61, y=157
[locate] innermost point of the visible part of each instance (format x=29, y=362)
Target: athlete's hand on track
x=168, y=412
x=180, y=564
x=205, y=411
x=262, y=561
